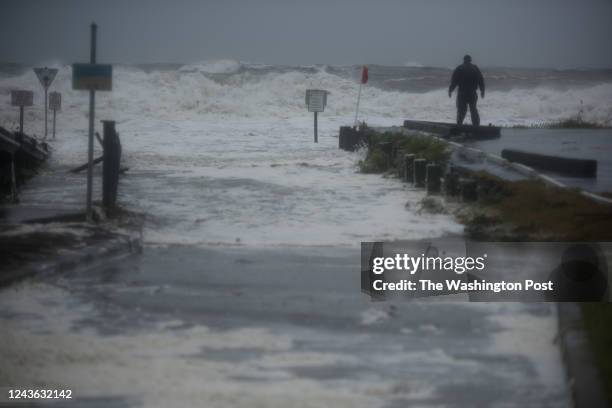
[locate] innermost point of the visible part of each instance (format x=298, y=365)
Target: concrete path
x=237, y=327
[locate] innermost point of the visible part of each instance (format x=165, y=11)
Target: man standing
x=468, y=78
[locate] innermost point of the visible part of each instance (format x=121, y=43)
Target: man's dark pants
x=463, y=101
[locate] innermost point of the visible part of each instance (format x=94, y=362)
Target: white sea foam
x=231, y=160
x=43, y=346
x=188, y=93
x=412, y=64
x=225, y=66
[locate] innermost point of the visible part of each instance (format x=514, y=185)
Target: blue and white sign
x=92, y=77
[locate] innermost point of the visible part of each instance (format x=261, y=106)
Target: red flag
x=364, y=75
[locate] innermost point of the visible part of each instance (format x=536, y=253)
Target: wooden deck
x=450, y=130
x=20, y=156
x=26, y=148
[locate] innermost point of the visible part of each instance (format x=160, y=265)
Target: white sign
x=316, y=99
x=22, y=98
x=55, y=101
x=45, y=76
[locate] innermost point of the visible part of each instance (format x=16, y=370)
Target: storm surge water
x=222, y=152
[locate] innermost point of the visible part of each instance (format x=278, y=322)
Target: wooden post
x=433, y=174
x=469, y=190
x=419, y=172
x=342, y=137
x=451, y=184
x=409, y=168
x=401, y=168
x=387, y=149
x=350, y=139
x=110, y=165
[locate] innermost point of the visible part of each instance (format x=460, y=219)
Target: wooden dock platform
x=450, y=130
x=26, y=148
x=20, y=156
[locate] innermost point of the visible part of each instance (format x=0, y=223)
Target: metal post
x=46, y=109
x=21, y=119
x=92, y=107
x=13, y=178
x=54, y=113
x=357, y=108
x=315, y=128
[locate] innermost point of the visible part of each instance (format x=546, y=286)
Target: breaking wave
x=230, y=88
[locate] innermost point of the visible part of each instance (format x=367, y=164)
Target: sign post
x=55, y=104
x=91, y=77
x=316, y=100
x=316, y=128
x=21, y=99
x=45, y=76
x=364, y=80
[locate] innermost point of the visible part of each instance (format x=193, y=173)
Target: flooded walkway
x=242, y=327
x=593, y=144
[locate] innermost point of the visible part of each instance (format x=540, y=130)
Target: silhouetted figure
x=468, y=78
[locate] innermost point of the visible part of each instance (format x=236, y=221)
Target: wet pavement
x=593, y=144
x=286, y=326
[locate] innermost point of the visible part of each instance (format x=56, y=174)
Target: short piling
x=350, y=138
x=420, y=168
x=433, y=173
x=469, y=190
x=451, y=184
x=399, y=161
x=111, y=165
x=387, y=149
x=409, y=168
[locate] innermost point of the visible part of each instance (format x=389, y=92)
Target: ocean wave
x=195, y=91
x=223, y=66
x=413, y=64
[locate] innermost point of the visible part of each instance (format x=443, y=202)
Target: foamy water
x=222, y=153
x=45, y=344
x=161, y=368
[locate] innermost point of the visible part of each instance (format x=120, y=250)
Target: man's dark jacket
x=468, y=78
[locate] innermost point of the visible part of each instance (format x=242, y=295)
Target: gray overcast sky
x=526, y=33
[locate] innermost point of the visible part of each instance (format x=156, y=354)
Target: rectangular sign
x=316, y=99
x=22, y=98
x=96, y=77
x=55, y=101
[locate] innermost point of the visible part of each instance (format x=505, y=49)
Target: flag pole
x=357, y=108
x=364, y=79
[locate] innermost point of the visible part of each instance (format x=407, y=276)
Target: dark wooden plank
x=448, y=130
x=563, y=165
x=84, y=166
